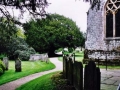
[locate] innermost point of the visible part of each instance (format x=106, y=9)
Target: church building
x=103, y=29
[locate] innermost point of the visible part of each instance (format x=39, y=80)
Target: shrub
x=24, y=54
x=70, y=50
x=2, y=55
x=2, y=67
x=1, y=71
x=32, y=50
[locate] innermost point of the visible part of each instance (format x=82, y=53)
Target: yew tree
x=53, y=32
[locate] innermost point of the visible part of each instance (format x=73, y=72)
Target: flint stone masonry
x=5, y=61
x=96, y=31
x=43, y=57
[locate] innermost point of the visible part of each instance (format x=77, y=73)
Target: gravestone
x=70, y=71
x=46, y=58
x=92, y=77
x=65, y=66
x=5, y=61
x=35, y=57
x=42, y=57
x=18, y=65
x=78, y=75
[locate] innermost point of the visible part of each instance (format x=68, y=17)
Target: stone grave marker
x=18, y=65
x=5, y=61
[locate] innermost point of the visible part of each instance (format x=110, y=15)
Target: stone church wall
x=95, y=39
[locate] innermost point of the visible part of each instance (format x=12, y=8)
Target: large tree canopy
x=52, y=32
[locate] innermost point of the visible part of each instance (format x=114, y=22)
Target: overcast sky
x=74, y=9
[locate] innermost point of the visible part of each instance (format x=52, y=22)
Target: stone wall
x=95, y=31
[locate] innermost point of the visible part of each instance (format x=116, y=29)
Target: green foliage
x=7, y=31
x=24, y=52
x=70, y=50
x=12, y=39
x=19, y=47
x=2, y=68
x=20, y=33
x=55, y=31
x=2, y=55
x=1, y=71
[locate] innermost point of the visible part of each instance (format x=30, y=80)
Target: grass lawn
x=28, y=68
x=42, y=83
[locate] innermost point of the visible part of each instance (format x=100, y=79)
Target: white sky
x=74, y=9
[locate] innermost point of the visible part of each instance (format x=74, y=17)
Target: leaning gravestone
x=5, y=61
x=17, y=65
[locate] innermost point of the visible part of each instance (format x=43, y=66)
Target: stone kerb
x=5, y=61
x=42, y=57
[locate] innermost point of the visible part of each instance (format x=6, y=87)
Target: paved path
x=110, y=79
x=14, y=84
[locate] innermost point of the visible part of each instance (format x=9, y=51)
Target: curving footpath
x=14, y=84
x=110, y=79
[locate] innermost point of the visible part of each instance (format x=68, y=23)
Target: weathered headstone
x=46, y=58
x=18, y=65
x=34, y=57
x=6, y=63
x=92, y=77
x=65, y=66
x=78, y=75
x=70, y=71
x=42, y=57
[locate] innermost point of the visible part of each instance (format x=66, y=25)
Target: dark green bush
x=2, y=55
x=70, y=50
x=2, y=68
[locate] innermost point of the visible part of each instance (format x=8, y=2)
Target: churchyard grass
x=42, y=83
x=28, y=67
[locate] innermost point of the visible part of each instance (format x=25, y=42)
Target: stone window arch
x=112, y=13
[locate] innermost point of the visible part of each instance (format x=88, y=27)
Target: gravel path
x=14, y=84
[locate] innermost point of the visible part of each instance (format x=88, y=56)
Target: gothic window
x=113, y=18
